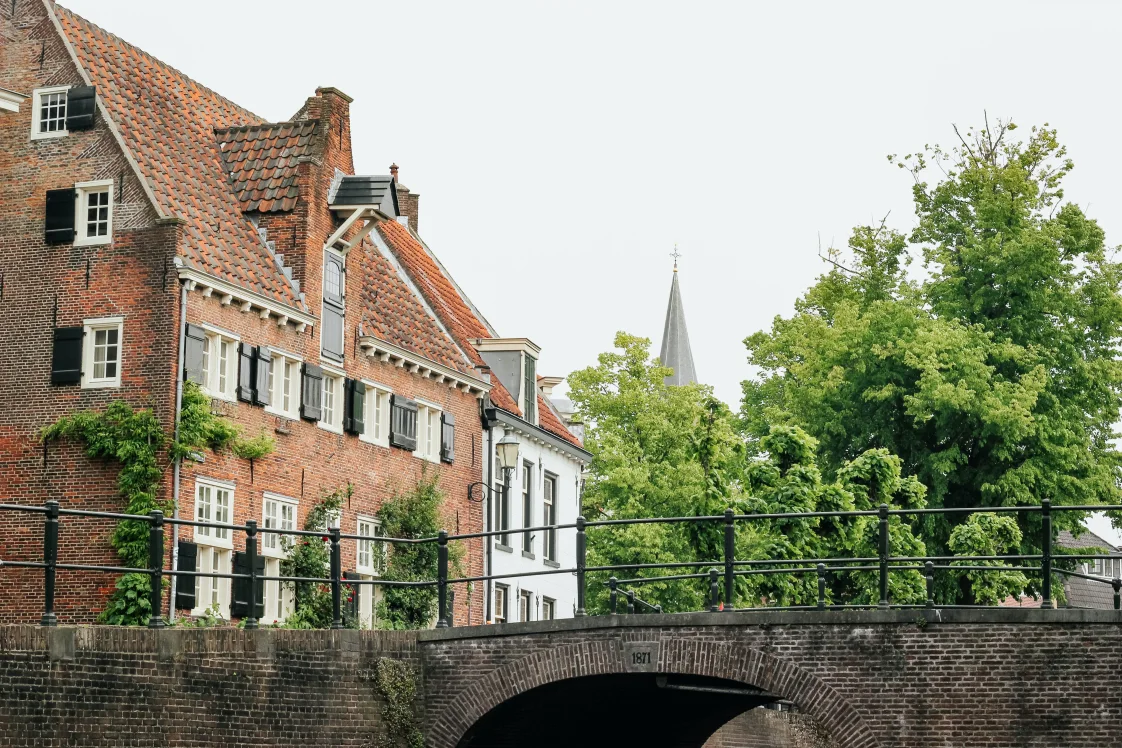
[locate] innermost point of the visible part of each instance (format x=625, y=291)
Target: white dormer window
x=93, y=219
x=48, y=112
x=530, y=388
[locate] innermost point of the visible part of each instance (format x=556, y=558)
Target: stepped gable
x=262, y=160
x=459, y=318
x=168, y=123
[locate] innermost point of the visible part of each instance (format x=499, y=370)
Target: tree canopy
x=992, y=375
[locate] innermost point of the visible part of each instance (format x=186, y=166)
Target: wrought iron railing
x=724, y=570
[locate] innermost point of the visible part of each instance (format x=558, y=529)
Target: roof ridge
x=260, y=125
x=156, y=60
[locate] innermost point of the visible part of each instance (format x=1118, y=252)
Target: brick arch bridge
x=887, y=679
x=873, y=679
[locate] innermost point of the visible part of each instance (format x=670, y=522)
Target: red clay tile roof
x=390, y=312
x=167, y=122
x=458, y=317
x=262, y=162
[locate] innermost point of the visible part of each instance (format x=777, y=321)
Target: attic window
x=48, y=113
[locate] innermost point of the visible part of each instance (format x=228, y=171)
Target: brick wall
x=114, y=687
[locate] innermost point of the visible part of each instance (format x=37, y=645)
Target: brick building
x=151, y=232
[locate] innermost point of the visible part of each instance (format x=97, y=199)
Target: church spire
x=676, y=352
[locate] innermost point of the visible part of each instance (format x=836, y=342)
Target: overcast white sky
x=561, y=149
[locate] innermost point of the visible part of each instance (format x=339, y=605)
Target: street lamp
x=506, y=449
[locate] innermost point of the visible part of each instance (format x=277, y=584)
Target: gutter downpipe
x=175, y=466
x=489, y=467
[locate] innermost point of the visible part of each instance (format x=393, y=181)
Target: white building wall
x=511, y=559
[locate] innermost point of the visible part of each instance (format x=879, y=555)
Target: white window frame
x=36, y=113
x=276, y=383
x=81, y=225
x=333, y=424
x=501, y=609
x=272, y=544
x=218, y=537
x=368, y=597
x=212, y=363
x=90, y=327
x=528, y=597
x=209, y=588
x=374, y=550
x=428, y=431
x=548, y=602
x=280, y=598
x=377, y=421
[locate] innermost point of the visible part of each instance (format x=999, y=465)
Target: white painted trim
x=274, y=403
x=215, y=329
x=36, y=95
x=375, y=346
x=89, y=328
x=10, y=100
x=250, y=298
x=209, y=539
x=267, y=496
x=84, y=190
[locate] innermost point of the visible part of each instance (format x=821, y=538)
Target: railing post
x=822, y=586
x=714, y=591
x=442, y=579
x=631, y=602
x=582, y=552
x=50, y=558
x=1046, y=553
x=251, y=554
x=730, y=553
x=336, y=580
x=658, y=608
x=884, y=555
x=1117, y=585
x=156, y=567
x=613, y=593
x=929, y=575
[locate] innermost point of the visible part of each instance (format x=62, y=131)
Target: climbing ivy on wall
x=396, y=682
x=134, y=438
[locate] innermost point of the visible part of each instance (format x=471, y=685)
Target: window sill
x=503, y=548
x=281, y=413
x=329, y=427
x=551, y=564
x=208, y=541
x=217, y=396
x=374, y=442
x=49, y=135
x=528, y=554
x=101, y=384
x=95, y=242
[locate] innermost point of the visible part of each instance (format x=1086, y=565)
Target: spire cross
x=675, y=254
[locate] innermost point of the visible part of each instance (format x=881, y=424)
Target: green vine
x=310, y=557
x=396, y=682
x=134, y=438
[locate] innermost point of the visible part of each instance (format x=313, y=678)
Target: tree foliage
x=994, y=376
x=310, y=557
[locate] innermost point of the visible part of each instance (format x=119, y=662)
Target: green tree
x=994, y=376
x=310, y=557
x=658, y=451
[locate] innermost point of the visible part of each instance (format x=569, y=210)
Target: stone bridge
x=874, y=679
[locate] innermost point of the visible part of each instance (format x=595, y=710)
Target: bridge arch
x=715, y=659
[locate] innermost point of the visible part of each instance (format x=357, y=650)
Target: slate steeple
x=676, y=352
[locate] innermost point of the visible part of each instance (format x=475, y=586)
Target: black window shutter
x=311, y=392
x=185, y=584
x=447, y=437
x=352, y=593
x=80, y=108
x=263, y=359
x=239, y=590
x=66, y=364
x=354, y=412
x=331, y=334
x=403, y=422
x=193, y=354
x=60, y=216
x=245, y=372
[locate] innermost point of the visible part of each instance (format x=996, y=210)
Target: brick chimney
x=407, y=201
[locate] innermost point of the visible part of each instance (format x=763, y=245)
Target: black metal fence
x=725, y=570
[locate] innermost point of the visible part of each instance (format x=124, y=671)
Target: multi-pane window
x=428, y=432
x=549, y=546
x=102, y=352
x=527, y=506
x=525, y=605
x=212, y=504
x=377, y=421
x=549, y=608
x=93, y=216
x=502, y=504
x=530, y=390
x=220, y=365
x=279, y=596
x=331, y=417
x=49, y=112
x=371, y=553
x=502, y=592
x=278, y=514
x=212, y=594
x=1105, y=567
x=334, y=304
x=284, y=386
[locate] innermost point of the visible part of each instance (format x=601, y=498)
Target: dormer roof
x=363, y=191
